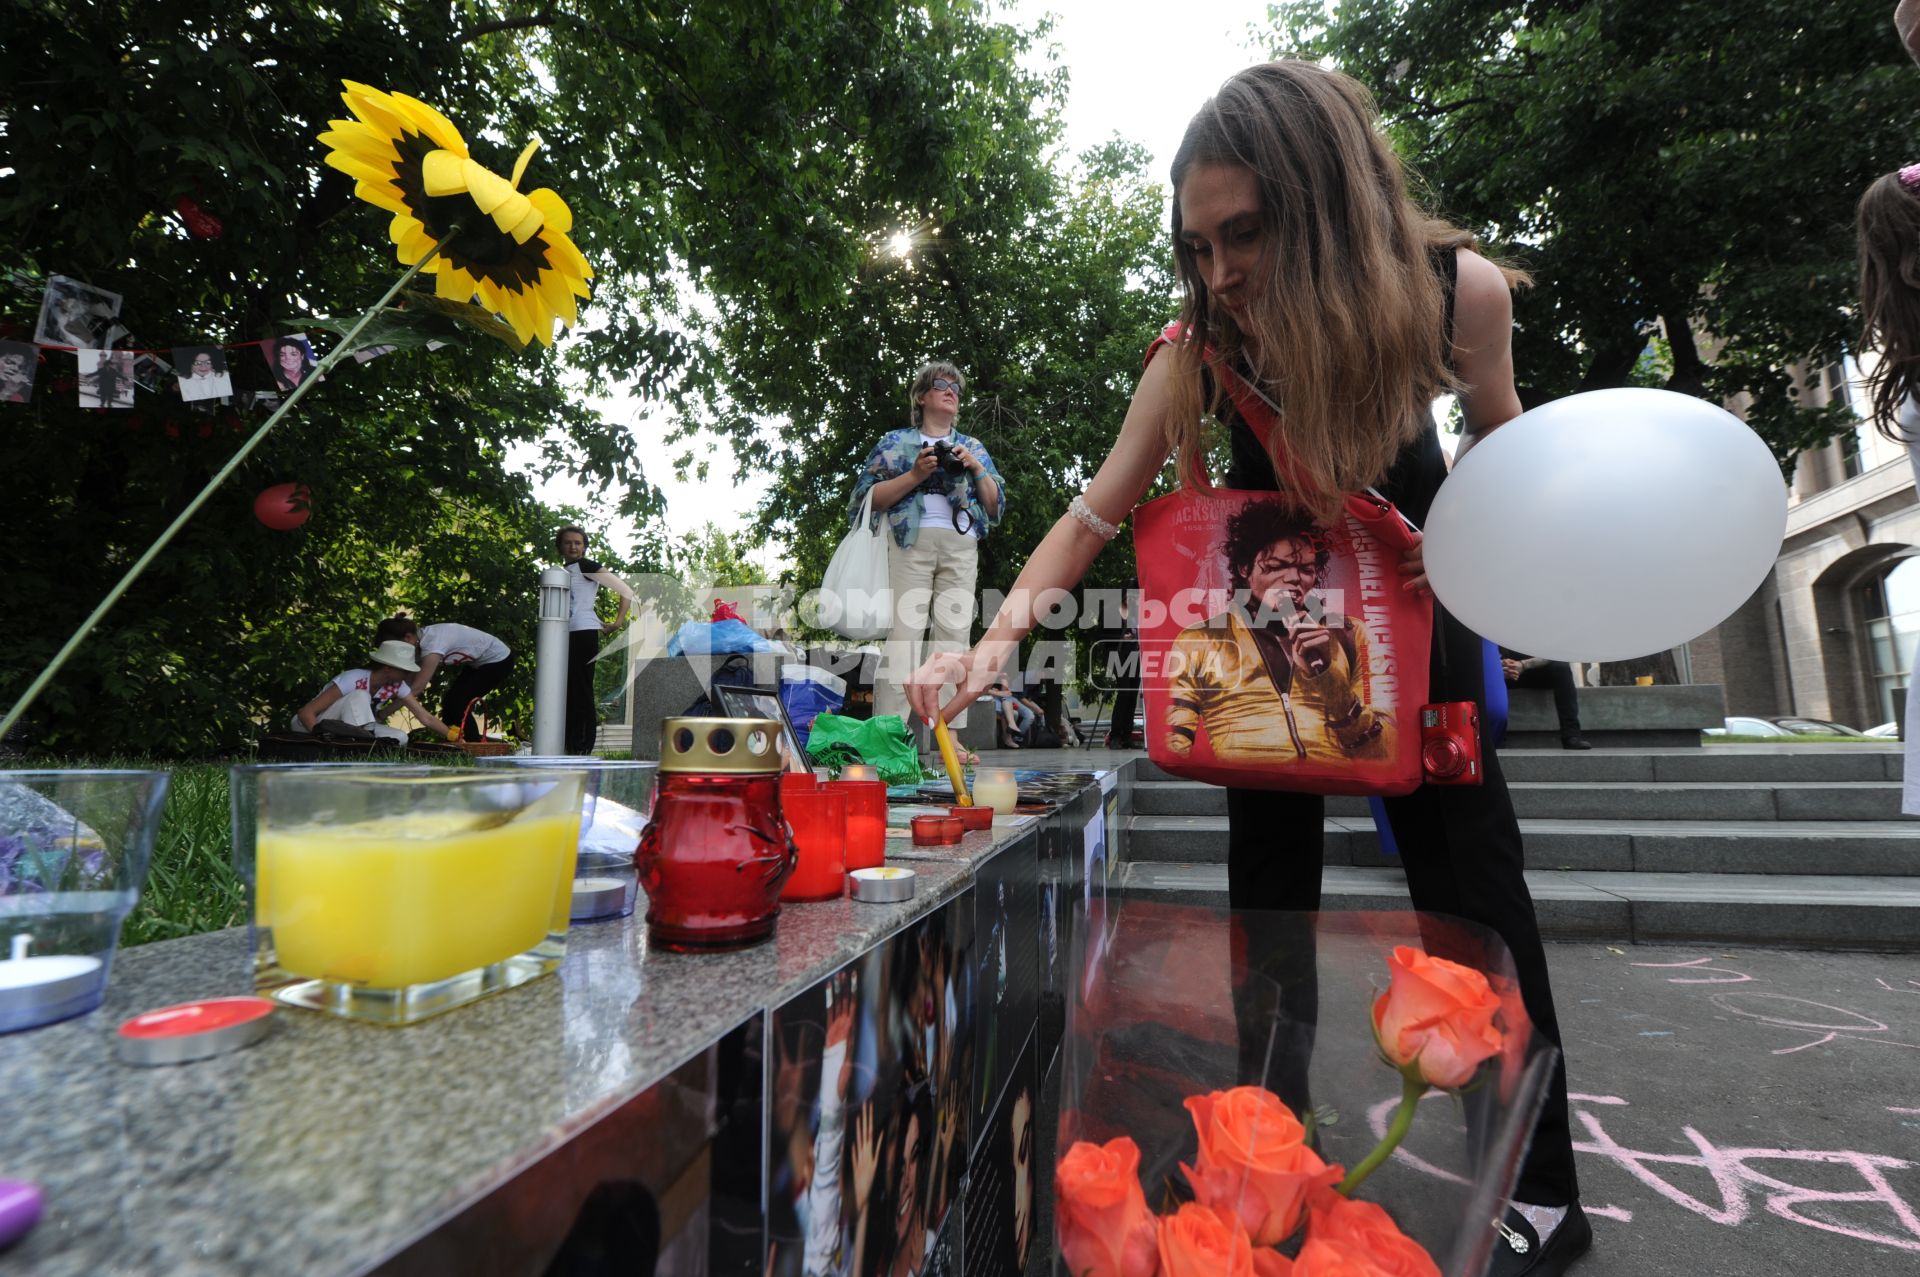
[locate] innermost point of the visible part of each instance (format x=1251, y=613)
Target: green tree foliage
x=1673, y=166
x=1043, y=279
x=742, y=148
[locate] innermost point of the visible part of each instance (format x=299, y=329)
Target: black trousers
x=583, y=715
x=468, y=686
x=1460, y=846
x=1557, y=675
x=1126, y=692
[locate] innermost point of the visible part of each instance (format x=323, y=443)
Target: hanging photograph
x=18, y=363
x=203, y=373
x=152, y=373
x=289, y=361
x=77, y=315
x=106, y=378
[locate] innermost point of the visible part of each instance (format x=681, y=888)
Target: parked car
x=1816, y=727
x=1744, y=726
x=1886, y=731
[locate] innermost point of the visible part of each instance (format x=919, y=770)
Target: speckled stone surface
x=330, y=1143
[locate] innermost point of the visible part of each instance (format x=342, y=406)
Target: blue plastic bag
x=715, y=638
x=806, y=693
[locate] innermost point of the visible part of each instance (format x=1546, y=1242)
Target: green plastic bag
x=882, y=743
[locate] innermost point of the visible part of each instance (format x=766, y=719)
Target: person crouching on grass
x=366, y=697
x=481, y=662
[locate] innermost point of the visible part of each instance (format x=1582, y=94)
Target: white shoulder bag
x=856, y=601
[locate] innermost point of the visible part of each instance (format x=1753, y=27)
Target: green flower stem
x=1412, y=1087
x=345, y=345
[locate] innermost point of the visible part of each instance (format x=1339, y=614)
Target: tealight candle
x=859, y=771
x=37, y=991
x=995, y=787
x=595, y=898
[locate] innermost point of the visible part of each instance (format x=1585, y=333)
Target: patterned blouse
x=894, y=455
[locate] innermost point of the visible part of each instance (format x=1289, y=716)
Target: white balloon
x=1606, y=525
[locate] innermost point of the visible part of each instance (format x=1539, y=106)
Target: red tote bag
x=1278, y=652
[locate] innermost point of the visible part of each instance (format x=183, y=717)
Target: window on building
x=1890, y=602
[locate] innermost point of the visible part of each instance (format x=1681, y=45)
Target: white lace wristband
x=1080, y=510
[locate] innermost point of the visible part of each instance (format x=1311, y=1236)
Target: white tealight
x=36, y=990
x=599, y=898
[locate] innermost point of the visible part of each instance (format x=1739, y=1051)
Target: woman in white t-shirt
x=584, y=628
x=1889, y=230
x=939, y=492
x=365, y=697
x=480, y=662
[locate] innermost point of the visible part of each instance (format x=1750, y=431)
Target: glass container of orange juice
x=391, y=898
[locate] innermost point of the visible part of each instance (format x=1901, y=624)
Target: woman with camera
x=939, y=493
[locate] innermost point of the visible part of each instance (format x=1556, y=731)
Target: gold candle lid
x=720, y=746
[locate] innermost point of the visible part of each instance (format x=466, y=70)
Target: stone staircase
x=1724, y=844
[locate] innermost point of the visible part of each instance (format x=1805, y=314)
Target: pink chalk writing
x=1722, y=975
x=1825, y=1023
x=1741, y=1178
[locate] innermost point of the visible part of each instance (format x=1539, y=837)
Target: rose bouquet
x=1215, y=1121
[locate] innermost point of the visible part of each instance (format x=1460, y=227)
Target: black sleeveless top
x=1416, y=473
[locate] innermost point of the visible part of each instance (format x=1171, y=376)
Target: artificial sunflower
x=511, y=249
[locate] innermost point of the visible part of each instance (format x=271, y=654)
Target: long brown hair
x=1349, y=322
x=1889, y=230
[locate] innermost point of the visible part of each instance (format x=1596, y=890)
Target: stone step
x=1873, y=848
x=1722, y=764
x=1813, y=912
x=1555, y=800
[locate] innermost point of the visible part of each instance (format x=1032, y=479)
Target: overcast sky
x=1138, y=69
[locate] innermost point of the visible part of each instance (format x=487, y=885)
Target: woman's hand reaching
x=973, y=671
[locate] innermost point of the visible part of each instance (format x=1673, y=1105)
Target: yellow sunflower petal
x=528, y=225
x=520, y=165
x=382, y=195
x=430, y=122
x=359, y=141
x=506, y=304
x=410, y=238
x=453, y=284
x=489, y=189
x=356, y=167
x=444, y=173
x=555, y=209
x=559, y=298
x=371, y=105
x=566, y=257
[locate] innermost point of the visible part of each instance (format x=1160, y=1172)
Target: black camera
x=943, y=453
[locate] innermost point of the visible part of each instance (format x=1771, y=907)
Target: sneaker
x=1518, y=1251
x=1575, y=741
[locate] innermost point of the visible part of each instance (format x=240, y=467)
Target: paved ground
x=1744, y=1111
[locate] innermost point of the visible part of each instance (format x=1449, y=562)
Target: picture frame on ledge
x=764, y=702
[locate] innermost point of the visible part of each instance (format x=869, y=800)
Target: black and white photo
x=18, y=363
x=203, y=373
x=106, y=378
x=77, y=315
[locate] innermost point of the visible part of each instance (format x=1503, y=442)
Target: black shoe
x=1575, y=742
x=1517, y=1251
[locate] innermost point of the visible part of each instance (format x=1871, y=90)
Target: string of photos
x=78, y=318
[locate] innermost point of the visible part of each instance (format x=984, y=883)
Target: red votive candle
x=971, y=817
x=817, y=818
x=866, y=821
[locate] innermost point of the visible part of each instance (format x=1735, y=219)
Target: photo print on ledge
x=77, y=315
x=19, y=362
x=203, y=373
x=106, y=378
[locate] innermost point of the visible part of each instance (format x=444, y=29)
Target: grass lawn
x=191, y=887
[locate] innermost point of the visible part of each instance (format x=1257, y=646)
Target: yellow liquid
x=393, y=903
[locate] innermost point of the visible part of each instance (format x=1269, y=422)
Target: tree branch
x=544, y=18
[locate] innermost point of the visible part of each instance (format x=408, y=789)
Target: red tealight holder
x=817, y=819
x=972, y=817
x=937, y=831
x=866, y=821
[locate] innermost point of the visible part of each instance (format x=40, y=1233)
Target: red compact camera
x=1450, y=743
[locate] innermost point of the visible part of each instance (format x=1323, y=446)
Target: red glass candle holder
x=716, y=851
x=972, y=817
x=817, y=819
x=937, y=831
x=866, y=822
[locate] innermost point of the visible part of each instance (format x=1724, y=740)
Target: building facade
x=1831, y=633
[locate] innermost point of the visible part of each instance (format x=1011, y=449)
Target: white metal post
x=550, y=665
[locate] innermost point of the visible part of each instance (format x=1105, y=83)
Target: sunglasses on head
x=941, y=383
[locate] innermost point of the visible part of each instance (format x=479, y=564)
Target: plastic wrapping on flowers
x=1275, y=1093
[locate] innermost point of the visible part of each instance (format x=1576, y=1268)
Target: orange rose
x=1366, y=1229
x=1271, y=1263
x=1437, y=1016
x=1325, y=1259
x=1197, y=1242
x=1105, y=1227
x=1252, y=1161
